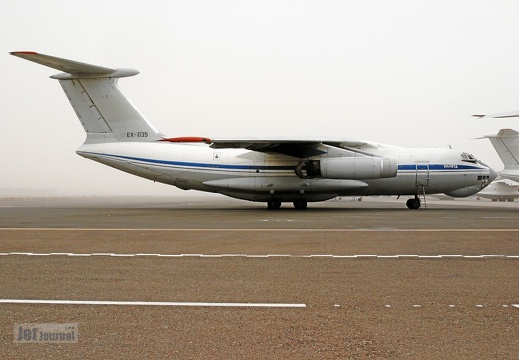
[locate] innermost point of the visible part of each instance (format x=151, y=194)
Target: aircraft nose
x=491, y=172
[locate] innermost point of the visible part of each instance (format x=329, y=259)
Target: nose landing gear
x=413, y=203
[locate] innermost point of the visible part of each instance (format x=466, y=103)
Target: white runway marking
x=417, y=306
x=207, y=304
x=150, y=303
x=260, y=229
x=314, y=256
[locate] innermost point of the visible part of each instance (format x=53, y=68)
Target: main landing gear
x=300, y=204
x=413, y=203
x=275, y=204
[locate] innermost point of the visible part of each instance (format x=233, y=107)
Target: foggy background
x=406, y=73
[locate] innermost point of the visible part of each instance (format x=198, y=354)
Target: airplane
x=506, y=186
x=270, y=170
x=501, y=190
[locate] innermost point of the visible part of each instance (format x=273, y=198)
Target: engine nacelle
x=355, y=168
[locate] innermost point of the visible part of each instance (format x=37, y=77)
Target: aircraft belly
x=272, y=184
x=283, y=197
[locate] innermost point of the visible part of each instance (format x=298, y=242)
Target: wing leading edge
x=300, y=148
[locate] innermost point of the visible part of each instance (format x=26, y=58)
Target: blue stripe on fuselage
x=401, y=167
x=437, y=167
x=199, y=165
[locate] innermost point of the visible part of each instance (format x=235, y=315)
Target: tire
x=273, y=204
x=413, y=204
x=301, y=204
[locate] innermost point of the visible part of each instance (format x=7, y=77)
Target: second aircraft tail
x=506, y=143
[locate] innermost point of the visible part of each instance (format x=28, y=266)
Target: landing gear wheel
x=413, y=203
x=273, y=204
x=301, y=204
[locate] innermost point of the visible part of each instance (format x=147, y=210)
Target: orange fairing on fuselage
x=187, y=139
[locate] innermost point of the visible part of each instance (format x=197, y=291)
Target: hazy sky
x=407, y=73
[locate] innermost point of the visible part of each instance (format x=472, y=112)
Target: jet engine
x=355, y=168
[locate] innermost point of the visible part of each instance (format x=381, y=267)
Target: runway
x=197, y=278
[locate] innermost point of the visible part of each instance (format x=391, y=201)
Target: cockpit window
x=468, y=158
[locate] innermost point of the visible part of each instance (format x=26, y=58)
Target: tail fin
x=105, y=113
x=506, y=143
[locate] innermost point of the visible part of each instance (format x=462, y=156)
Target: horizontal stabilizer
x=504, y=115
x=503, y=133
x=74, y=69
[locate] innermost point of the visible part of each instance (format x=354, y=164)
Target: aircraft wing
x=507, y=182
x=300, y=148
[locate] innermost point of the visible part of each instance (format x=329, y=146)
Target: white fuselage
x=259, y=176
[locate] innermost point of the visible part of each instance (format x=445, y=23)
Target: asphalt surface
x=217, y=278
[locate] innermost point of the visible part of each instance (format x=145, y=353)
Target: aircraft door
x=422, y=174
